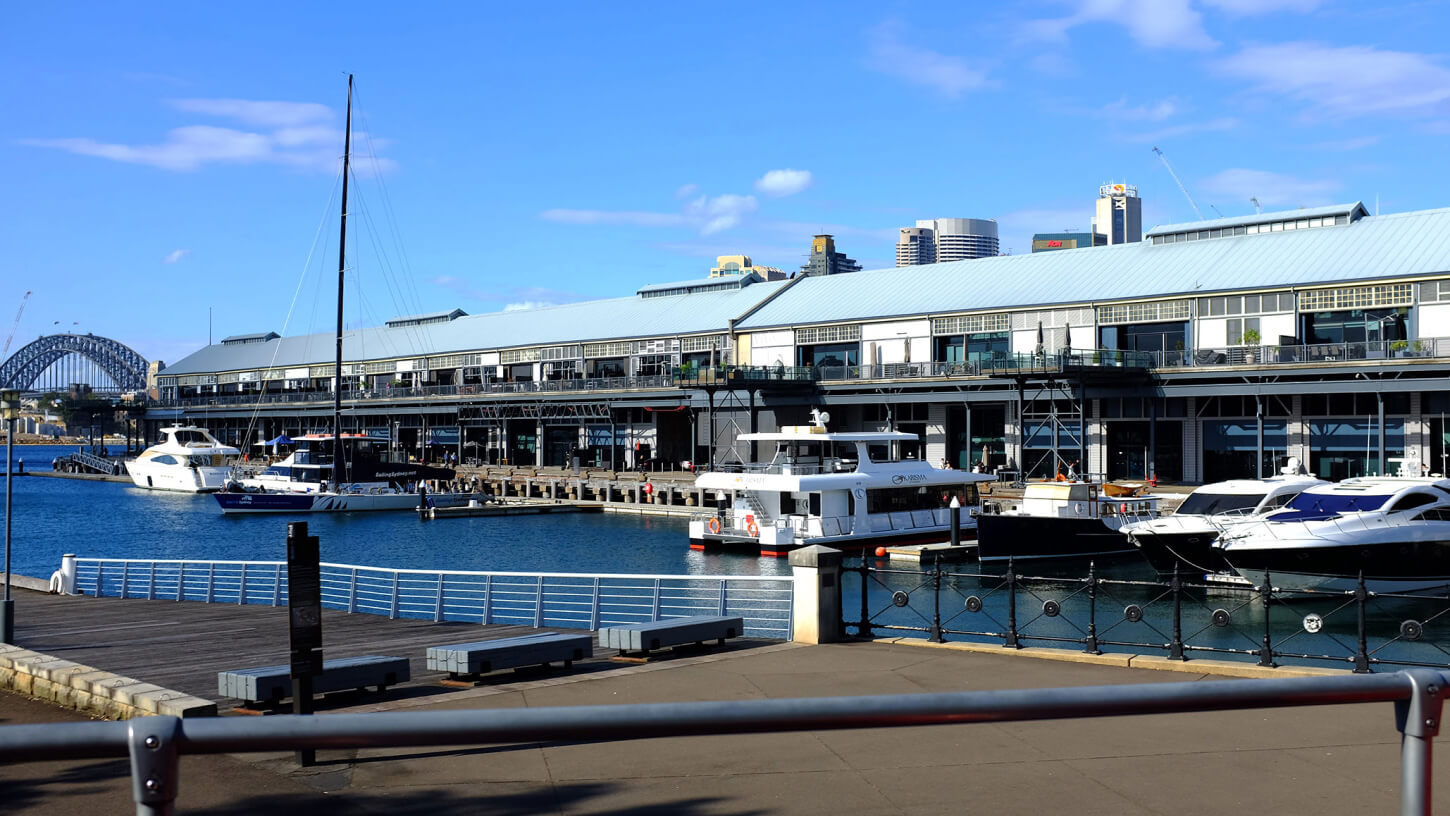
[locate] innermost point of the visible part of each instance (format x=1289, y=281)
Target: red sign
x=1054, y=243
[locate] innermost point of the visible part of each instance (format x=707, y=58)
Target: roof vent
x=240, y=339
x=425, y=319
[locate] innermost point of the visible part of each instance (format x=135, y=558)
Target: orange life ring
x=714, y=525
x=753, y=529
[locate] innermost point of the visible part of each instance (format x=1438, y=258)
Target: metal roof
x=613, y=319
x=427, y=317
x=1379, y=246
x=255, y=337
x=1262, y=218
x=702, y=284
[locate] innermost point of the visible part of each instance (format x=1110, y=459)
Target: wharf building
x=1212, y=350
x=940, y=240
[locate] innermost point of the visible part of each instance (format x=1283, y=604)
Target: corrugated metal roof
x=428, y=317
x=254, y=337
x=613, y=319
x=1260, y=218
x=701, y=284
x=1382, y=246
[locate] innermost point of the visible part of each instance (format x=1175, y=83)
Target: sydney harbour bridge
x=58, y=361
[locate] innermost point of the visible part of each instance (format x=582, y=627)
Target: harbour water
x=113, y=520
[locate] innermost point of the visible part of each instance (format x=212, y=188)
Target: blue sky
x=162, y=159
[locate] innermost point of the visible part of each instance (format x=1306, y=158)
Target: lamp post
x=9, y=411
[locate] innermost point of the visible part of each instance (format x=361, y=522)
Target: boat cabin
x=1083, y=500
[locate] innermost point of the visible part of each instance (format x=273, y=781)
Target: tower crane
x=6, y=350
x=1181, y=188
x=1255, y=202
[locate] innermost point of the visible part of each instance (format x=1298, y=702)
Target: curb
x=82, y=688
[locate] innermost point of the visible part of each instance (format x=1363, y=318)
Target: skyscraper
x=825, y=260
x=937, y=240
x=1119, y=214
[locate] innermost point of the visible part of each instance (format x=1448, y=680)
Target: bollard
x=817, y=604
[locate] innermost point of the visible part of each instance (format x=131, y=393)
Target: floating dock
x=512, y=509
x=926, y=552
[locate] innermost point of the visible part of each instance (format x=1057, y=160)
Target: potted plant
x=1251, y=339
x=1397, y=347
x=1418, y=347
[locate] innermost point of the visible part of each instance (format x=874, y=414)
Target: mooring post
x=1175, y=650
x=1266, y=592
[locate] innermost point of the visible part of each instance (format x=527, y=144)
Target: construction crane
x=5, y=353
x=1181, y=188
x=1255, y=202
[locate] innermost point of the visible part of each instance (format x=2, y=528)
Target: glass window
x=1412, y=501
x=1342, y=448
x=1192, y=236
x=1341, y=219
x=1216, y=306
x=1230, y=446
x=1278, y=226
x=1303, y=223
x=1286, y=302
x=1239, y=230
x=1235, y=305
x=1215, y=233
x=1235, y=330
x=1199, y=503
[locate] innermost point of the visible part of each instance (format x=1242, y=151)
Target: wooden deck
x=182, y=646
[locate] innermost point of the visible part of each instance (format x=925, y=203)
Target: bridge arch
x=118, y=361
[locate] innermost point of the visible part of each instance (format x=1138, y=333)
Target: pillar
x=817, y=572
x=539, y=444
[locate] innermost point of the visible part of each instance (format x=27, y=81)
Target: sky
x=171, y=170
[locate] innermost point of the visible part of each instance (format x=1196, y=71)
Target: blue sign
x=443, y=436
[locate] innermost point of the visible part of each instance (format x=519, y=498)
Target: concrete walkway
x=1342, y=759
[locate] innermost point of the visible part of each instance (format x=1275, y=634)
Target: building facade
x=940, y=240
x=1119, y=214
x=1049, y=241
x=825, y=260
x=1214, y=349
x=741, y=265
x=916, y=245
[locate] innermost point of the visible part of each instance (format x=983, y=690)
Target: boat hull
x=177, y=478
x=1023, y=538
x=725, y=542
x=254, y=503
x=1388, y=566
x=1184, y=552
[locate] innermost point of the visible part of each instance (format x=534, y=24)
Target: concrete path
x=1342, y=759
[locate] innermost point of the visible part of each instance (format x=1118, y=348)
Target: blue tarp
x=281, y=440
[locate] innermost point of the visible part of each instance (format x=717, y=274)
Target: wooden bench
x=645, y=637
x=270, y=684
x=484, y=656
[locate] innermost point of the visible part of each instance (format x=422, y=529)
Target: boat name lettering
x=903, y=478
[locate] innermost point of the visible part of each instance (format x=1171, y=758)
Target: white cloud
x=1209, y=126
x=721, y=212
x=175, y=255
x=1250, y=8
x=687, y=190
x=1151, y=23
x=266, y=114
x=1272, y=189
x=778, y=183
x=298, y=139
x=1152, y=112
x=707, y=214
x=921, y=66
x=1342, y=82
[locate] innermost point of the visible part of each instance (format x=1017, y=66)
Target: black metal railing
x=1175, y=618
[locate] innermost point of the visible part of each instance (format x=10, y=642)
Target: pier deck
x=182, y=646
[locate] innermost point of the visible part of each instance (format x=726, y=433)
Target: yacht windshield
x=1207, y=504
x=1311, y=506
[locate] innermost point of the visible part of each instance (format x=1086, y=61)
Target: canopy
x=281, y=440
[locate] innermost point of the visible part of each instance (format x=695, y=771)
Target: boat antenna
x=337, y=461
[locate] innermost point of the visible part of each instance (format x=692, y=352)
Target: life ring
x=1123, y=509
x=753, y=529
x=714, y=525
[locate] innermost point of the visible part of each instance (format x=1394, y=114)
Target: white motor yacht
x=842, y=490
x=188, y=459
x=1183, y=542
x=1393, y=530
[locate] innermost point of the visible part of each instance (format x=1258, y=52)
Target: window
x=1237, y=327
x=827, y=334
x=1411, y=501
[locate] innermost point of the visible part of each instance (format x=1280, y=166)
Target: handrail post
x=594, y=611
x=655, y=612
x=487, y=598
x=151, y=583
x=181, y=581
x=723, y=603
x=1090, y=643
x=277, y=585
x=1266, y=654
x=1175, y=649
x=936, y=598
x=155, y=763
x=210, y=581
x=393, y=611
x=100, y=579
x=1418, y=720
x=352, y=593
x=1361, y=656
x=438, y=602
x=125, y=577
x=242, y=590
x=539, y=602
x=864, y=630
x=1011, y=576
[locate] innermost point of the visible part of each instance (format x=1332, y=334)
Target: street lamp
x=9, y=411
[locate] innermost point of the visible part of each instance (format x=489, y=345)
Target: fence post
x=100, y=579
x=151, y=583
x=352, y=593
x=125, y=577
x=393, y=611
x=539, y=602
x=1266, y=654
x=723, y=604
x=655, y=612
x=1175, y=650
x=210, y=581
x=594, y=613
x=864, y=630
x=1011, y=576
x=277, y=585
x=1361, y=657
x=438, y=602
x=1090, y=644
x=487, y=597
x=936, y=599
x=242, y=591
x=181, y=581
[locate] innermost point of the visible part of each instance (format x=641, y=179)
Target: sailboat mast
x=337, y=460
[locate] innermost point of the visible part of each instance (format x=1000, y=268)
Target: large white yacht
x=188, y=459
x=842, y=490
x=1393, y=530
x=1183, y=542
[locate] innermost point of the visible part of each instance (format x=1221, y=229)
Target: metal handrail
x=155, y=744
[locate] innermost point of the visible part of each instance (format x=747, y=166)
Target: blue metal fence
x=571, y=600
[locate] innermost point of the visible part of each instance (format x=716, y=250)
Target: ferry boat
x=371, y=480
x=188, y=459
x=1395, y=530
x=848, y=491
x=1183, y=542
x=1060, y=520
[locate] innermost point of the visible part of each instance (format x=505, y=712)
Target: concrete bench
x=484, y=656
x=645, y=637
x=270, y=684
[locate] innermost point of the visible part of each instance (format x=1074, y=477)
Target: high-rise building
x=741, y=265
x=1048, y=241
x=1119, y=214
x=825, y=260
x=937, y=240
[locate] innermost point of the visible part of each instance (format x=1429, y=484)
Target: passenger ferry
x=1057, y=520
x=188, y=460
x=843, y=490
x=372, y=480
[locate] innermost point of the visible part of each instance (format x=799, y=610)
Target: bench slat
x=275, y=682
x=649, y=635
x=481, y=657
